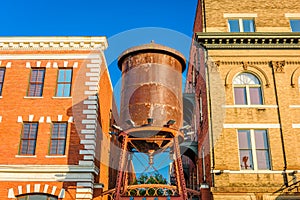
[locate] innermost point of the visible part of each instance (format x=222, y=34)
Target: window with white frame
x=36, y=83
x=28, y=138
x=295, y=25
x=241, y=25
x=254, y=150
x=64, y=83
x=58, y=138
x=247, y=90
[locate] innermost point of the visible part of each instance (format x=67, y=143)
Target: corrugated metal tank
x=151, y=85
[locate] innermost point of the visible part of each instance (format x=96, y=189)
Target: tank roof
x=152, y=47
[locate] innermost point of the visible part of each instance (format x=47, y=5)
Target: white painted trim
x=294, y=106
x=45, y=168
x=59, y=118
x=47, y=56
x=30, y=118
x=28, y=97
x=42, y=119
x=48, y=119
x=249, y=106
x=253, y=171
x=240, y=15
x=24, y=156
x=61, y=97
x=251, y=126
x=71, y=119
x=8, y=65
x=295, y=125
x=292, y=15
x=61, y=42
x=0, y=119
x=20, y=119
x=58, y=156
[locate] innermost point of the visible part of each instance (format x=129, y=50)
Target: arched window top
x=246, y=79
x=37, y=196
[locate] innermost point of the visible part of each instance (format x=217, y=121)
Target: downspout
x=204, y=15
x=280, y=128
x=210, y=130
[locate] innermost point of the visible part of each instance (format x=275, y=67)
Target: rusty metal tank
x=151, y=86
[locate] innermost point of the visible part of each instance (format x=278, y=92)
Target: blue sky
x=124, y=23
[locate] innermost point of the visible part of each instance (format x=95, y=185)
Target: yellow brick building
x=248, y=54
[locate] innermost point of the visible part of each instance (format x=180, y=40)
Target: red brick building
x=55, y=110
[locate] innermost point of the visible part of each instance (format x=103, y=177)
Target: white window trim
x=292, y=15
x=253, y=148
x=240, y=15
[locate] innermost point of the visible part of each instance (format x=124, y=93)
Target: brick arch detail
x=250, y=69
x=36, y=188
x=295, y=77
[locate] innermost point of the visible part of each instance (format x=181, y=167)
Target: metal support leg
x=123, y=156
x=179, y=171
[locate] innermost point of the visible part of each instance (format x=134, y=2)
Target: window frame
x=254, y=149
x=35, y=83
x=64, y=83
x=28, y=139
x=28, y=195
x=50, y=153
x=247, y=90
x=2, y=81
x=241, y=24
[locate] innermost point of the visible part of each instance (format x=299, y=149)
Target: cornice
x=255, y=40
x=54, y=43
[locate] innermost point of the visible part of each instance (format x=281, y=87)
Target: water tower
x=151, y=115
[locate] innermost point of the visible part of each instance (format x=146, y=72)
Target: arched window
x=247, y=90
x=37, y=197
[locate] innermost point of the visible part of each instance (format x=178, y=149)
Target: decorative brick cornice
x=255, y=40
x=278, y=66
x=53, y=43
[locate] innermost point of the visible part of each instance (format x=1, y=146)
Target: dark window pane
x=36, y=82
x=2, y=72
x=28, y=138
x=240, y=96
x=263, y=160
x=58, y=138
x=261, y=140
x=234, y=25
x=248, y=25
x=295, y=25
x=246, y=159
x=255, y=95
x=244, y=139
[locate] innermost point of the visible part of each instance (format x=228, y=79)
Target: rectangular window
x=28, y=138
x=295, y=25
x=241, y=25
x=36, y=83
x=58, y=139
x=254, y=150
x=240, y=96
x=2, y=73
x=255, y=95
x=64, y=83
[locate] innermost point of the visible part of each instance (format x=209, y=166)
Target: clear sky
x=124, y=23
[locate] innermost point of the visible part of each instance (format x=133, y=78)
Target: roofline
x=253, y=40
x=53, y=42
